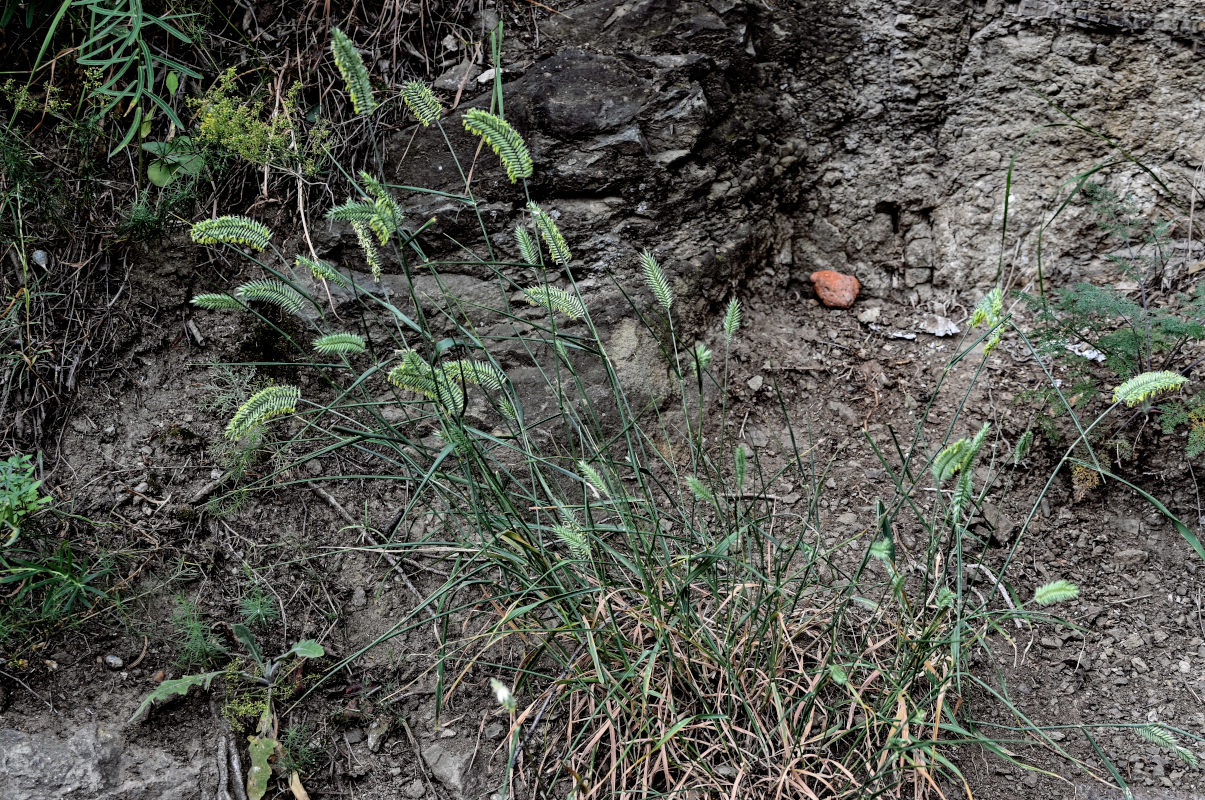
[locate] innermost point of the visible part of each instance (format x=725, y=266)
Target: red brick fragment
x=834, y=289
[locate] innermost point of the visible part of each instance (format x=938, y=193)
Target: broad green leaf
x=307, y=648
x=161, y=173
x=177, y=687
x=172, y=82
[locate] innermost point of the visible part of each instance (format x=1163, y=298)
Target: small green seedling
x=20, y=497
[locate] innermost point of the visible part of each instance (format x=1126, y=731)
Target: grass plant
x=620, y=568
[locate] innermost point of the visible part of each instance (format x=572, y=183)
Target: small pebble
x=415, y=789
x=113, y=662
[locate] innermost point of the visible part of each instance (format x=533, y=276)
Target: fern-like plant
x=654, y=276
x=558, y=248
x=266, y=404
x=732, y=321
x=340, y=343
x=422, y=102
x=593, y=478
x=1158, y=735
x=273, y=291
x=232, y=230
x=958, y=456
x=990, y=312
x=322, y=271
x=217, y=302
x=556, y=300
x=504, y=140
x=416, y=375
x=355, y=75
x=1058, y=591
x=1142, y=387
x=528, y=249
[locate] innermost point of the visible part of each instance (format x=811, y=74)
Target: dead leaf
x=262, y=749
x=299, y=792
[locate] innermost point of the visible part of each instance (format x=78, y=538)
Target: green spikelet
x=1186, y=755
x=322, y=271
x=477, y=372
x=217, y=302
x=340, y=343
x=958, y=456
x=270, y=290
x=386, y=216
x=740, y=462
x=422, y=102
x=949, y=460
x=458, y=437
x=732, y=320
x=838, y=674
x=551, y=234
x=700, y=490
x=416, y=375
x=1055, y=592
x=1023, y=445
x=355, y=75
x=1147, y=385
x=976, y=444
x=962, y=496
x=503, y=139
x=1158, y=735
x=573, y=536
x=232, y=230
x=700, y=359
x=990, y=312
x=507, y=408
x=371, y=255
x=388, y=219
x=529, y=251
x=593, y=478
x=654, y=276
x=261, y=407
x=883, y=549
x=554, y=299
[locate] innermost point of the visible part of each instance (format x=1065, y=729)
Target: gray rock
x=377, y=732
x=451, y=762
x=94, y=763
x=843, y=412
x=1128, y=559
x=113, y=662
x=575, y=94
